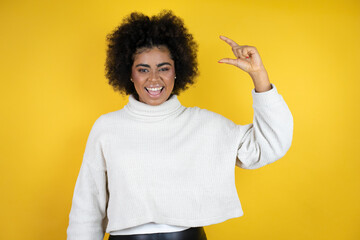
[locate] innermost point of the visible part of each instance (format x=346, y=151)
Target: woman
x=156, y=169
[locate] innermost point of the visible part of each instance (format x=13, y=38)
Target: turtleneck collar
x=146, y=112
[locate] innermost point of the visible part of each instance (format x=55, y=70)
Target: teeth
x=154, y=89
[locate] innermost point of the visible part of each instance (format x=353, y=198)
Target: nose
x=154, y=75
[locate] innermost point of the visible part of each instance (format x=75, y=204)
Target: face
x=153, y=74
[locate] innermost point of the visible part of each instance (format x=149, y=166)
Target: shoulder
x=210, y=118
x=110, y=118
x=107, y=120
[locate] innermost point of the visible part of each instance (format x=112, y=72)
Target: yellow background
x=53, y=88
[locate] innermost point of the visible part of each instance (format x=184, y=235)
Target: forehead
x=154, y=54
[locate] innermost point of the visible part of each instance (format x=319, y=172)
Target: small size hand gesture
x=248, y=59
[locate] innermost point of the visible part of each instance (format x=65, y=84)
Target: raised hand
x=248, y=59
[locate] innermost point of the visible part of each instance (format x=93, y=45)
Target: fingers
x=242, y=64
x=242, y=52
x=245, y=52
x=247, y=57
x=229, y=41
x=228, y=61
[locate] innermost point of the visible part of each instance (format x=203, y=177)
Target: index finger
x=229, y=41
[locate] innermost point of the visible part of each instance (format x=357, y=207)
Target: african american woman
x=156, y=169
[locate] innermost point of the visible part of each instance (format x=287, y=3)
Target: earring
x=131, y=80
x=175, y=77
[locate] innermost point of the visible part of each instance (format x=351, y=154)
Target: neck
x=145, y=112
x=136, y=96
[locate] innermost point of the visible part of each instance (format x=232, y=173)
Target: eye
x=164, y=69
x=143, y=70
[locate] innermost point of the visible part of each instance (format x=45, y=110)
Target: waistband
x=193, y=233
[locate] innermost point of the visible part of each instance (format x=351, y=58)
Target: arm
x=269, y=137
x=87, y=218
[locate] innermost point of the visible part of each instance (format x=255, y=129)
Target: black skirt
x=193, y=233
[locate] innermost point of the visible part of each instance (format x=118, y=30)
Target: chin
x=154, y=99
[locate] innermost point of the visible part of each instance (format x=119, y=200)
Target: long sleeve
x=87, y=218
x=269, y=137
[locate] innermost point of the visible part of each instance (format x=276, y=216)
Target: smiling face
x=153, y=74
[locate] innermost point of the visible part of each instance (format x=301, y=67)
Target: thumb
x=228, y=61
x=242, y=64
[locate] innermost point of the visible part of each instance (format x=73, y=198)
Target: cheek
x=137, y=77
x=169, y=78
x=134, y=75
x=170, y=75
x=173, y=76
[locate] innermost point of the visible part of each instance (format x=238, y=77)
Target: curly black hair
x=140, y=31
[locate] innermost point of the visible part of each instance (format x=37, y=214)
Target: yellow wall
x=53, y=88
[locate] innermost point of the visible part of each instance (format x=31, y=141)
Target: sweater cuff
x=266, y=98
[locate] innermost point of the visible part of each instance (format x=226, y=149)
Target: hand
x=248, y=60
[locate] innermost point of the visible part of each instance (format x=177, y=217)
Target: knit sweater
x=171, y=164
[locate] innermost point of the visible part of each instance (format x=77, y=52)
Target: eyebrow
x=146, y=65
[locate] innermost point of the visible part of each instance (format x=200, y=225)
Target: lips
x=154, y=91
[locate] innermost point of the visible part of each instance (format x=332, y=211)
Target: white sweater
x=171, y=164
